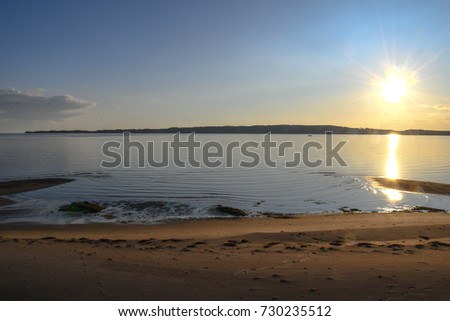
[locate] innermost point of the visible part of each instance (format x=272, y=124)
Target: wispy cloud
x=34, y=105
x=445, y=107
x=439, y=112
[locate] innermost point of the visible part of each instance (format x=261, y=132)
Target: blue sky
x=136, y=64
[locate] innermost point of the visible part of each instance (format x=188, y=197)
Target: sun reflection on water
x=391, y=164
x=392, y=195
x=392, y=169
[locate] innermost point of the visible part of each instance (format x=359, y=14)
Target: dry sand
x=397, y=256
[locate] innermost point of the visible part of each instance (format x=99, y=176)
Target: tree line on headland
x=255, y=129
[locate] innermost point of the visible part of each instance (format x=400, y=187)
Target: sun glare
x=393, y=88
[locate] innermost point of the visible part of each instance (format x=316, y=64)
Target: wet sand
x=412, y=185
x=5, y=201
x=374, y=256
x=20, y=186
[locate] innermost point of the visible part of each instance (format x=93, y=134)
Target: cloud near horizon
x=442, y=111
x=33, y=105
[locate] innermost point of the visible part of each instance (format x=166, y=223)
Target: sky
x=156, y=64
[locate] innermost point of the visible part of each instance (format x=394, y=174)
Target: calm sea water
x=148, y=195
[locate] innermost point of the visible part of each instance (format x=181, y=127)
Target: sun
x=393, y=88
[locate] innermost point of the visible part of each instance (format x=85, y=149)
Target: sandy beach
x=357, y=256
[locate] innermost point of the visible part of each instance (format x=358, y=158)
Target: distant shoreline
x=255, y=129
